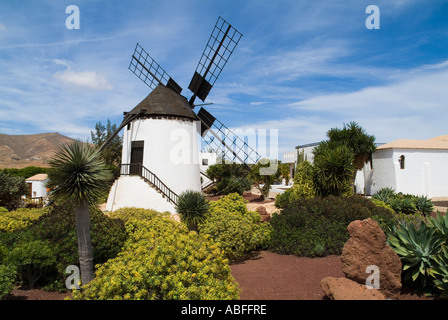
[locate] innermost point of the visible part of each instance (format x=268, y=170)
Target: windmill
x=148, y=148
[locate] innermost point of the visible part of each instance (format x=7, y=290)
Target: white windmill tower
x=160, y=157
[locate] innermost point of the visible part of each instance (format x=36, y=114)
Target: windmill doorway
x=136, y=158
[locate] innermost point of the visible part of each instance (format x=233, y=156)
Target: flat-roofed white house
x=36, y=185
x=418, y=167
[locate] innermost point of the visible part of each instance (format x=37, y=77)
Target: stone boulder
x=367, y=247
x=346, y=289
x=264, y=215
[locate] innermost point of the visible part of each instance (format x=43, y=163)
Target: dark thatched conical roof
x=163, y=101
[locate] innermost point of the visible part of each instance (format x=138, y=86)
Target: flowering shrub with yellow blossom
x=162, y=260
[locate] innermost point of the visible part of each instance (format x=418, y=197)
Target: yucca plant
x=439, y=272
x=416, y=247
x=192, y=207
x=79, y=175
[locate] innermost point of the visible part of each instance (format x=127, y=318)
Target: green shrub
x=192, y=207
x=3, y=209
x=58, y=226
x=303, y=180
x=234, y=227
x=32, y=260
x=282, y=200
x=125, y=214
x=404, y=203
x=233, y=185
x=19, y=219
x=11, y=191
x=7, y=279
x=161, y=260
x=318, y=226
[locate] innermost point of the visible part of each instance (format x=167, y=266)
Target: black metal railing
x=137, y=169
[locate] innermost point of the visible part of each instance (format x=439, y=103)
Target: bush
x=32, y=260
x=229, y=178
x=282, y=200
x=7, y=280
x=58, y=226
x=11, y=191
x=234, y=227
x=318, y=226
x=19, y=219
x=404, y=203
x=192, y=207
x=162, y=260
x=303, y=180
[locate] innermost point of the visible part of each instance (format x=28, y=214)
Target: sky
x=300, y=68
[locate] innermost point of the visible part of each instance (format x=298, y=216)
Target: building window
x=401, y=161
x=205, y=162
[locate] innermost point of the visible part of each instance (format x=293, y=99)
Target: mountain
x=20, y=151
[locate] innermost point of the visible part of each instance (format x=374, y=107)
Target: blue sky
x=301, y=67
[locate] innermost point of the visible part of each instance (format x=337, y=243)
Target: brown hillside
x=20, y=151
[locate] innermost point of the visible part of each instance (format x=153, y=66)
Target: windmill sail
x=149, y=71
x=217, y=52
x=221, y=139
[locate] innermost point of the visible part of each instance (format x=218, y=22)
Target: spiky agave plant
x=416, y=247
x=79, y=174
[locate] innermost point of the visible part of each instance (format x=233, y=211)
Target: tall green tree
x=264, y=173
x=80, y=175
x=360, y=143
x=111, y=153
x=11, y=190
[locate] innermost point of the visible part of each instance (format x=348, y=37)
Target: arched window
x=401, y=161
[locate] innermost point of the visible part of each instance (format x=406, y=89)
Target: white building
x=160, y=157
x=36, y=185
x=207, y=159
x=291, y=159
x=418, y=167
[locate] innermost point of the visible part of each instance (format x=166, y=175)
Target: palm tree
x=355, y=137
x=79, y=175
x=357, y=140
x=333, y=169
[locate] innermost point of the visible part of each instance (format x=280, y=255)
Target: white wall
x=132, y=191
x=425, y=171
x=170, y=151
x=38, y=188
x=210, y=158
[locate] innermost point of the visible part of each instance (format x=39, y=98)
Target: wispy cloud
x=52, y=44
x=87, y=79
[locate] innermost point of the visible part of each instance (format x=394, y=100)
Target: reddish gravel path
x=270, y=276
